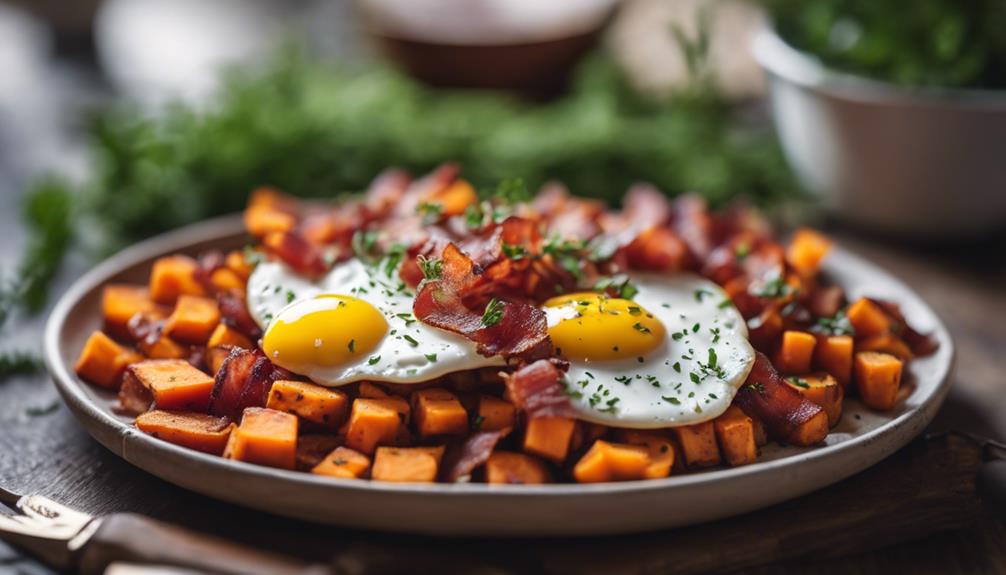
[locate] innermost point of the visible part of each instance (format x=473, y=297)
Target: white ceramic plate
x=860, y=440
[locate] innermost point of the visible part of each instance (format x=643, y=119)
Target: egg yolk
x=594, y=327
x=326, y=331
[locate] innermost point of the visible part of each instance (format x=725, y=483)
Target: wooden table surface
x=45, y=450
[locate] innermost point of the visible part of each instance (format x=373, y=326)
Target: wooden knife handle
x=126, y=537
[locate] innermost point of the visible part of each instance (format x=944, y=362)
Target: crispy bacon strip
x=463, y=459
x=536, y=389
x=658, y=249
x=243, y=381
x=692, y=222
x=234, y=313
x=385, y=191
x=645, y=207
x=520, y=331
x=208, y=263
x=295, y=251
x=786, y=414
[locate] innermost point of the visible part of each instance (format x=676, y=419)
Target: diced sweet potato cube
x=495, y=414
x=265, y=437
x=120, y=302
x=174, y=384
x=225, y=279
x=370, y=390
x=319, y=405
x=134, y=398
x=886, y=343
x=698, y=444
x=102, y=361
x=312, y=448
x=406, y=464
x=206, y=433
x=515, y=468
x=438, y=412
x=173, y=276
x=736, y=435
x=235, y=261
x=163, y=348
x=193, y=319
x=822, y=389
x=806, y=250
x=453, y=199
x=796, y=352
x=833, y=354
x=659, y=446
x=343, y=462
x=612, y=462
x=867, y=318
x=878, y=376
x=549, y=437
x=374, y=422
x=266, y=213
x=225, y=335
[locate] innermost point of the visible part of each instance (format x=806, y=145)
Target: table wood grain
x=42, y=449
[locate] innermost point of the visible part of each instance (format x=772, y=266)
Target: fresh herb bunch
x=944, y=43
x=316, y=131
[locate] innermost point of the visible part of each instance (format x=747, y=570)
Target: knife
x=67, y=539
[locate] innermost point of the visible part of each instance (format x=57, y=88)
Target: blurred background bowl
x=920, y=162
x=523, y=46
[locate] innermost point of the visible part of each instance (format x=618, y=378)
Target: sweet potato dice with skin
x=235, y=261
x=224, y=279
x=822, y=389
x=102, y=361
x=612, y=462
x=495, y=414
x=867, y=318
x=343, y=462
x=164, y=348
x=698, y=444
x=549, y=437
x=193, y=319
x=374, y=422
x=313, y=403
x=265, y=437
x=878, y=376
x=735, y=432
x=225, y=336
x=438, y=412
x=796, y=352
x=833, y=354
x=206, y=433
x=505, y=467
x=174, y=384
x=806, y=250
x=173, y=276
x=268, y=211
x=371, y=391
x=660, y=448
x=407, y=464
x=134, y=398
x=120, y=302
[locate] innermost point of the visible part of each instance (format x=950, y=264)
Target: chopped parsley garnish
x=677, y=336
x=677, y=366
x=351, y=346
x=514, y=251
x=476, y=422
x=431, y=357
x=363, y=244
x=412, y=341
x=640, y=328
x=511, y=191
x=623, y=379
x=252, y=256
x=408, y=318
x=716, y=333
x=290, y=296
x=373, y=359
x=431, y=211
x=635, y=310
x=742, y=251
x=671, y=400
x=567, y=253
x=798, y=381
x=620, y=284
x=493, y=313
x=694, y=377
x=756, y=387
x=701, y=294
x=432, y=268
x=712, y=359
x=774, y=288
x=696, y=328
x=474, y=216
x=394, y=257
x=837, y=325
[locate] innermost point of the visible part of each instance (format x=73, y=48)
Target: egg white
x=657, y=390
x=274, y=290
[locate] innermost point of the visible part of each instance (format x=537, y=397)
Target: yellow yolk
x=326, y=331
x=594, y=327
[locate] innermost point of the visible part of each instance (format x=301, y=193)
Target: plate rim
x=72, y=390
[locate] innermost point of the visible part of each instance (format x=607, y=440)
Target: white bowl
x=906, y=161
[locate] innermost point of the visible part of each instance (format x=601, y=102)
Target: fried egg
x=675, y=354
x=353, y=324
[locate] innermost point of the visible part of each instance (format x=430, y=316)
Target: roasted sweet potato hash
x=425, y=332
